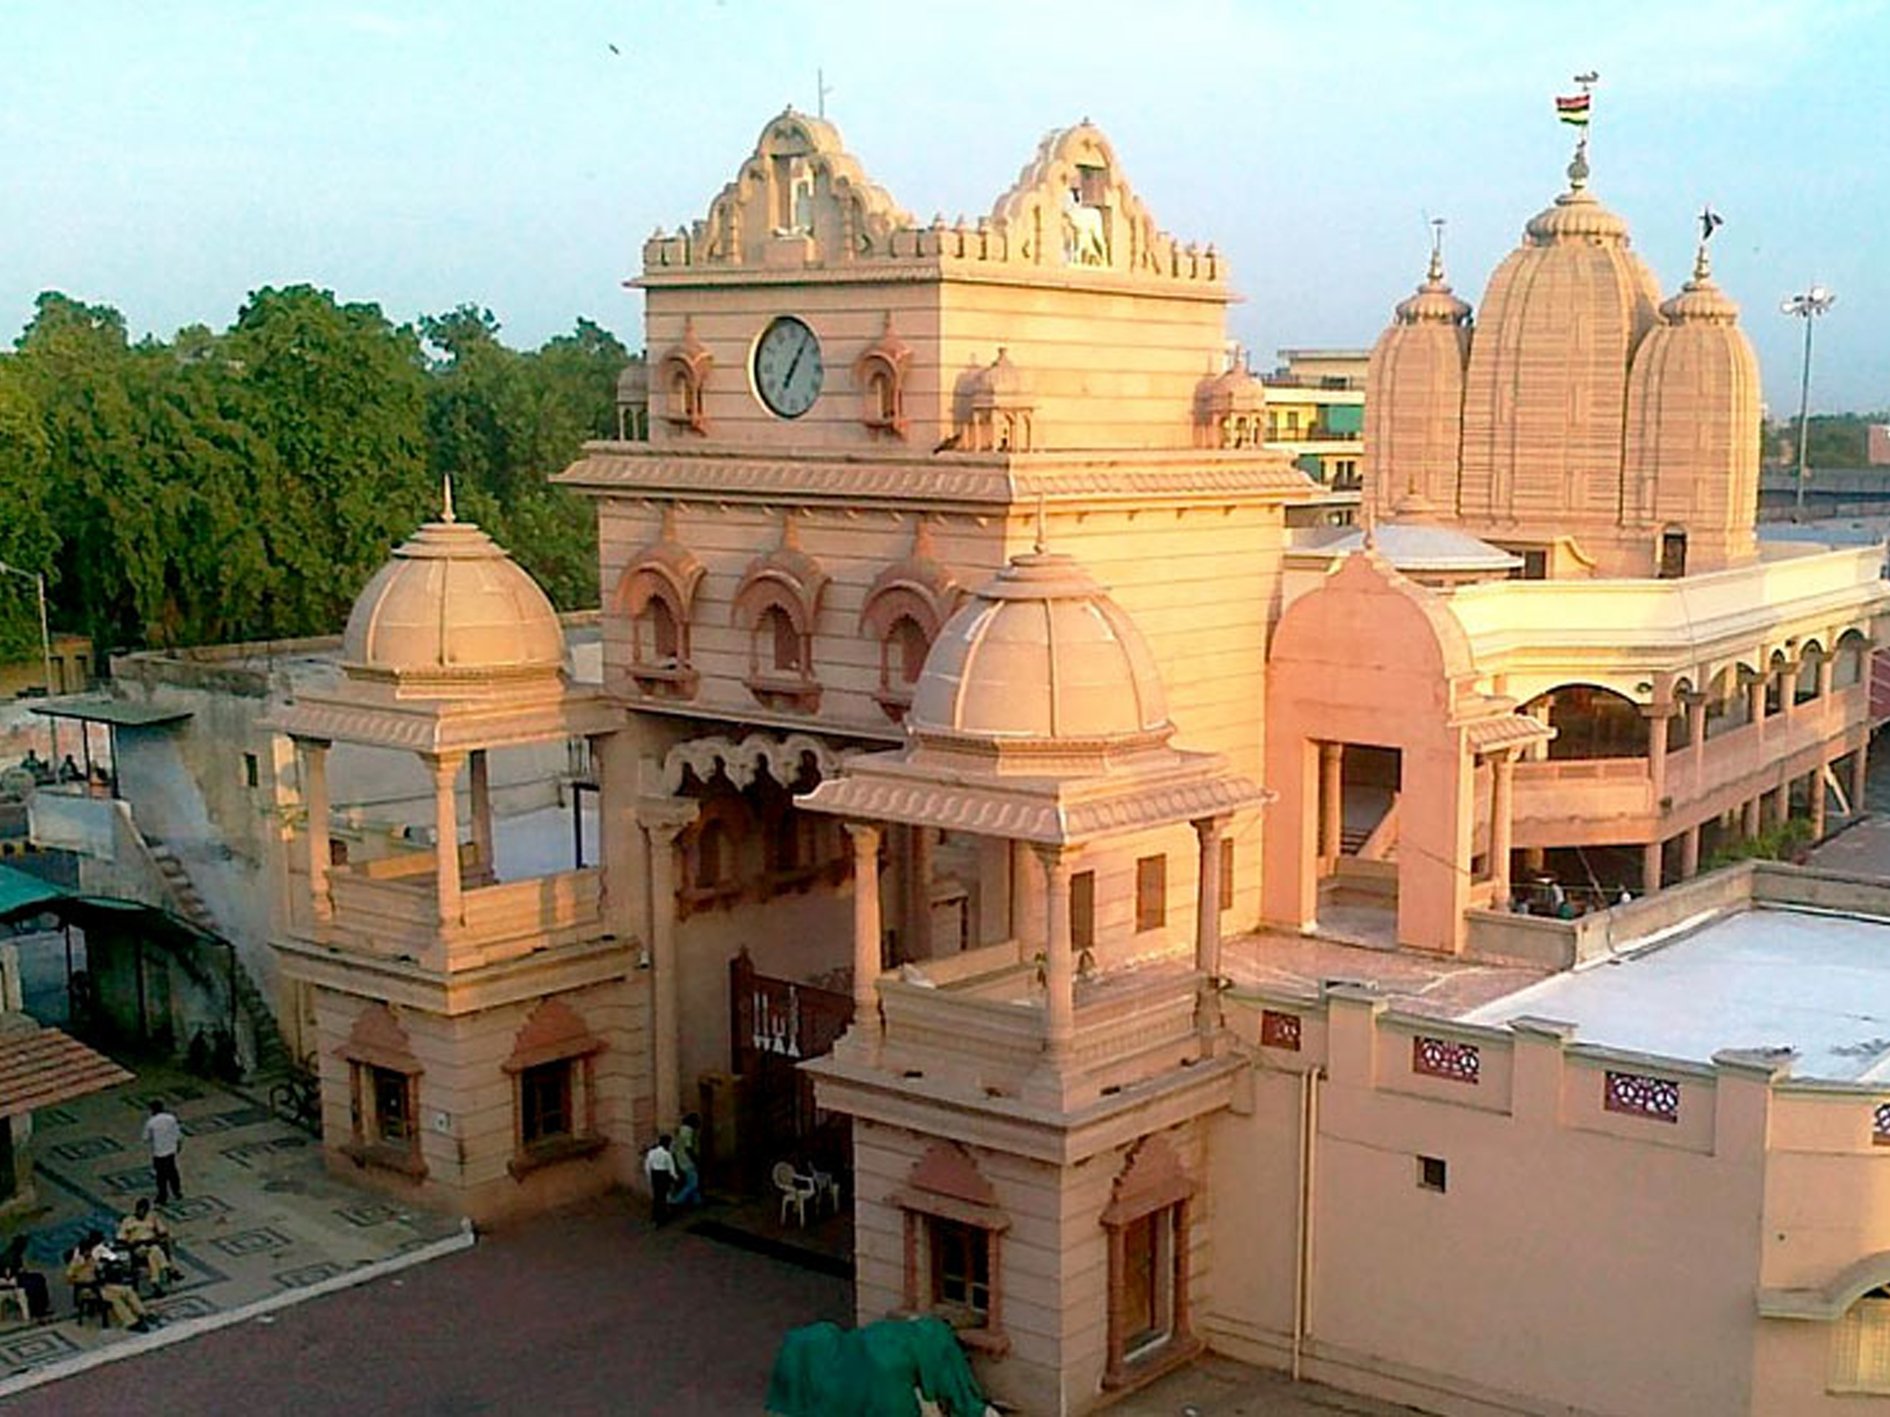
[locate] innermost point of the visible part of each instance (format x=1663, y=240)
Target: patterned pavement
x=259, y=1215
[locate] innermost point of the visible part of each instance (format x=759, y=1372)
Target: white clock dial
x=788, y=371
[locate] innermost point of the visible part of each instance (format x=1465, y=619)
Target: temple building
x=1007, y=807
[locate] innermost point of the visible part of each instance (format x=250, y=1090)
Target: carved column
x=1749, y=818
x=1657, y=716
x=480, y=784
x=1059, y=969
x=866, y=929
x=1825, y=665
x=1690, y=852
x=1755, y=702
x=1814, y=799
x=1211, y=832
x=1650, y=867
x=315, y=797
x=918, y=893
x=663, y=823
x=445, y=770
x=1331, y=802
x=1788, y=688
x=1502, y=827
x=1860, y=765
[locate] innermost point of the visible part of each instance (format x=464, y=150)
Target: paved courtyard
x=260, y=1216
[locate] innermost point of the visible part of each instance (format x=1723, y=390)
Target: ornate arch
x=664, y=573
x=783, y=759
x=917, y=588
x=880, y=372
x=1152, y=1193
x=683, y=379
x=787, y=585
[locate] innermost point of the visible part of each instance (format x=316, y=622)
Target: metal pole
x=1804, y=416
x=45, y=635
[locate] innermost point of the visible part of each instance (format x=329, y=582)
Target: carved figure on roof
x=800, y=186
x=1071, y=206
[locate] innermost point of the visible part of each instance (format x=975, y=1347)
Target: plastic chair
x=796, y=1190
x=11, y=1293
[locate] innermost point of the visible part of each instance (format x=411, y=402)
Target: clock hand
x=794, y=363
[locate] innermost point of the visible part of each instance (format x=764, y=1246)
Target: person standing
x=165, y=1137
x=688, y=1176
x=659, y=1166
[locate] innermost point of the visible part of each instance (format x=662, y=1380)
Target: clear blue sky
x=169, y=157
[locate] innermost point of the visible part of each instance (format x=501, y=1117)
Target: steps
x=187, y=902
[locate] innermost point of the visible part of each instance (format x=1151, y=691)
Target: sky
x=167, y=159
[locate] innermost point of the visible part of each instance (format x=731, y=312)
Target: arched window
x=1593, y=722
x=709, y=869
x=655, y=595
x=684, y=378
x=881, y=375
x=906, y=649
x=1847, y=671
x=779, y=631
x=1673, y=554
x=1728, y=704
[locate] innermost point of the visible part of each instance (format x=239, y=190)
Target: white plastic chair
x=796, y=1190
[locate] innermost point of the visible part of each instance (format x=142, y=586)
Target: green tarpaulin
x=877, y=1371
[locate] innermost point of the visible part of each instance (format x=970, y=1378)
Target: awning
x=42, y=1066
x=22, y=893
x=103, y=708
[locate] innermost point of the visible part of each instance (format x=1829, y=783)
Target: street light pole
x=38, y=579
x=1807, y=307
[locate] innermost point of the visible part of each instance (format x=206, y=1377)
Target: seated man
x=85, y=1270
x=16, y=1279
x=148, y=1238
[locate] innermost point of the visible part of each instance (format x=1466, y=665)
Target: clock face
x=788, y=371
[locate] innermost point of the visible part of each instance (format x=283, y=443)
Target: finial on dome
x=446, y=498
x=1573, y=110
x=1436, y=274
x=1710, y=222
x=1367, y=510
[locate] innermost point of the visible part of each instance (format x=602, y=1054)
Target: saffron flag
x=1573, y=110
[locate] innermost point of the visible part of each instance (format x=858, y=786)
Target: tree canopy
x=245, y=484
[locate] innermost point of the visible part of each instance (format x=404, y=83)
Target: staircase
x=187, y=903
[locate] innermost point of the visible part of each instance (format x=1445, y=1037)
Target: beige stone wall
x=1053, y=1257
x=468, y=1115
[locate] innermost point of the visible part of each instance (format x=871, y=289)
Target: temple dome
x=1545, y=389
x=452, y=609
x=1693, y=418
x=1414, y=394
x=1040, y=653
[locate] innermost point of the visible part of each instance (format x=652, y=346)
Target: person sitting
x=20, y=1285
x=148, y=1238
x=69, y=770
x=89, y=1269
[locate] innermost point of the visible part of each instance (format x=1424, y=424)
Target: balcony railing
x=397, y=916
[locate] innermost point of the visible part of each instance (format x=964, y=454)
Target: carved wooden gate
x=775, y=1024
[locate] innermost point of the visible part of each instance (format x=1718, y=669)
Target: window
x=1860, y=1347
x=1227, y=873
x=1147, y=1224
x=1673, y=555
x=658, y=641
x=545, y=1103
x=906, y=649
x=1148, y=1281
x=1083, y=910
x=1151, y=893
x=961, y=1269
x=780, y=632
x=1433, y=1173
x=952, y=1224
x=252, y=770
x=393, y=1106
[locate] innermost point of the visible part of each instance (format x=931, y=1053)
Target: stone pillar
x=1814, y=799
x=866, y=929
x=1331, y=802
x=445, y=769
x=1825, y=665
x=1749, y=817
x=315, y=797
x=1059, y=968
x=1207, y=922
x=663, y=823
x=1502, y=827
x=1696, y=734
x=480, y=783
x=1690, y=852
x=918, y=893
x=1860, y=766
x=1650, y=867
x=1657, y=716
x=1782, y=804
x=1755, y=701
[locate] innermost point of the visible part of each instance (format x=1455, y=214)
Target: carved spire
x=446, y=498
